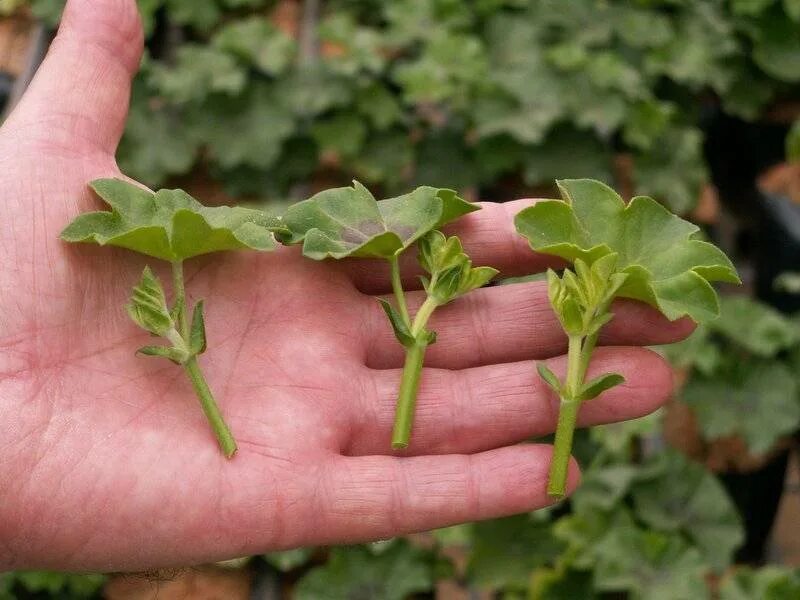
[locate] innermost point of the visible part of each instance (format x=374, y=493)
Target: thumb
x=78, y=99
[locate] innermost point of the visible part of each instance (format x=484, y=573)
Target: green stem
x=180, y=297
x=409, y=383
x=397, y=287
x=577, y=362
x=589, y=342
x=210, y=408
x=407, y=397
x=423, y=314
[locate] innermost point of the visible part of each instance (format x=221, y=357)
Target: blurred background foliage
x=269, y=101
x=491, y=97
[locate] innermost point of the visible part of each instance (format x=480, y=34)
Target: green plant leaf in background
x=698, y=351
x=603, y=487
x=257, y=42
x=793, y=142
x=157, y=143
x=664, y=263
x=357, y=572
x=169, y=224
x=561, y=584
x=357, y=49
x=675, y=495
x=584, y=532
x=672, y=169
x=50, y=584
x=197, y=71
x=200, y=15
x=777, y=46
x=767, y=332
x=771, y=582
x=506, y=551
x=650, y=566
x=342, y=134
x=757, y=400
x=259, y=109
x=619, y=439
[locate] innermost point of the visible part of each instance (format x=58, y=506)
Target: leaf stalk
x=397, y=287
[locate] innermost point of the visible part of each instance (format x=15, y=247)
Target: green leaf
x=342, y=134
x=767, y=333
x=397, y=573
x=549, y=377
x=197, y=337
x=664, y=263
x=386, y=158
x=650, y=565
x=772, y=582
x=359, y=48
x=583, y=532
x=345, y=222
x=701, y=51
x=600, y=384
x=561, y=584
x=444, y=159
x=777, y=47
x=200, y=14
x=750, y=7
x=506, y=551
x=439, y=253
x=675, y=495
x=170, y=224
x=793, y=142
x=792, y=8
x=258, y=42
x=379, y=106
x=672, y=169
x=197, y=72
x=174, y=354
x=257, y=110
x=451, y=271
x=447, y=67
x=310, y=90
x=157, y=143
x=57, y=585
x=401, y=330
x=647, y=122
x=567, y=152
x=148, y=305
x=756, y=399
x=617, y=439
x=477, y=278
x=603, y=487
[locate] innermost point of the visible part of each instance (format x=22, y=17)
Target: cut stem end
x=224, y=436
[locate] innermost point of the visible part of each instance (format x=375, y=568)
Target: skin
x=107, y=462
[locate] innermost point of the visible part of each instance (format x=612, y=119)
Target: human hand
x=107, y=462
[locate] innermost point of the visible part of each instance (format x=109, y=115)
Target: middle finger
x=508, y=323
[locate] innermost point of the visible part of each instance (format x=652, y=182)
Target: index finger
x=489, y=238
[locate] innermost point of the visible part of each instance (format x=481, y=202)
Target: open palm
x=107, y=462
